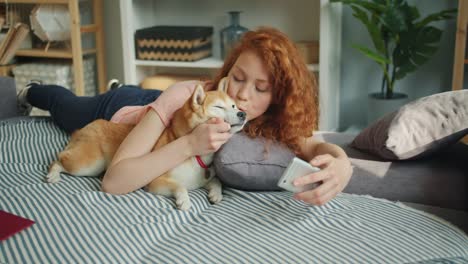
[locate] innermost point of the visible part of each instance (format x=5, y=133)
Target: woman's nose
x=243, y=93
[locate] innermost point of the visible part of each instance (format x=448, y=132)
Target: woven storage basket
x=174, y=43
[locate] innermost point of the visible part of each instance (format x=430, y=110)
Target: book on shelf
x=12, y=41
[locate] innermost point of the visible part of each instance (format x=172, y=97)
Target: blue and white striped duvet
x=76, y=223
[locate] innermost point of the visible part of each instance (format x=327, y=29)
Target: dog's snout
x=241, y=115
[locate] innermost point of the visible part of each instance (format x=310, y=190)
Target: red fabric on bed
x=11, y=224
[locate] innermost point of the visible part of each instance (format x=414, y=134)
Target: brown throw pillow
x=417, y=128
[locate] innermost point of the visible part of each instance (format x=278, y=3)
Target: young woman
x=267, y=78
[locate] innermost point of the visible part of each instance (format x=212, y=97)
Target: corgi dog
x=92, y=148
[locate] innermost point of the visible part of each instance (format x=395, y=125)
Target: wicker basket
x=174, y=43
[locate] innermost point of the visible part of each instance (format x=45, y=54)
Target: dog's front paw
x=215, y=195
x=183, y=200
x=52, y=177
x=183, y=204
x=215, y=190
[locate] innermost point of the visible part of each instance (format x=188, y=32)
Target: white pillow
x=418, y=128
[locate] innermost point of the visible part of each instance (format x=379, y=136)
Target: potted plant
x=402, y=42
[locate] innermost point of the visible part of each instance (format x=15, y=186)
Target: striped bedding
x=76, y=223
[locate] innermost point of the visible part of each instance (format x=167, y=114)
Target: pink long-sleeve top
x=165, y=105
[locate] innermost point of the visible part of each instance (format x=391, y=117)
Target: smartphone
x=297, y=168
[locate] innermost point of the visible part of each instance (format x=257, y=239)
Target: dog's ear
x=198, y=96
x=223, y=85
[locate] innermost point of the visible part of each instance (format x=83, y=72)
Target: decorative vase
x=378, y=106
x=231, y=34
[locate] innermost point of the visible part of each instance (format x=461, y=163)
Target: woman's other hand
x=334, y=175
x=209, y=137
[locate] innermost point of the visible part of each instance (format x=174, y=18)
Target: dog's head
x=217, y=103
x=203, y=106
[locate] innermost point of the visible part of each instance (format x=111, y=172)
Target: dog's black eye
x=234, y=106
x=220, y=107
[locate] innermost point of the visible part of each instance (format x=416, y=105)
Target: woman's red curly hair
x=293, y=112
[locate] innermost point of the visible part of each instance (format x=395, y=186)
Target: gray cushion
x=7, y=98
x=439, y=180
x=251, y=164
x=418, y=128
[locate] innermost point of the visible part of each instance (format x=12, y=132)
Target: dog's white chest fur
x=190, y=174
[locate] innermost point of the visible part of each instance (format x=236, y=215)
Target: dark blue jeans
x=71, y=112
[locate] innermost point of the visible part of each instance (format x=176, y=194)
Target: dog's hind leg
x=83, y=160
x=78, y=159
x=54, y=172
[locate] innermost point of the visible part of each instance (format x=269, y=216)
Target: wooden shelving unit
x=77, y=52
x=460, y=59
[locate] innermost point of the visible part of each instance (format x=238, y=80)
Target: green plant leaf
x=375, y=18
x=411, y=13
x=443, y=15
x=379, y=58
x=372, y=28
x=394, y=20
x=399, y=57
x=427, y=49
x=407, y=39
x=419, y=59
x=360, y=14
x=429, y=34
x=404, y=70
x=380, y=2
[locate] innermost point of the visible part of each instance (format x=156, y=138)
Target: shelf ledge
x=63, y=2
x=208, y=63
x=51, y=53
